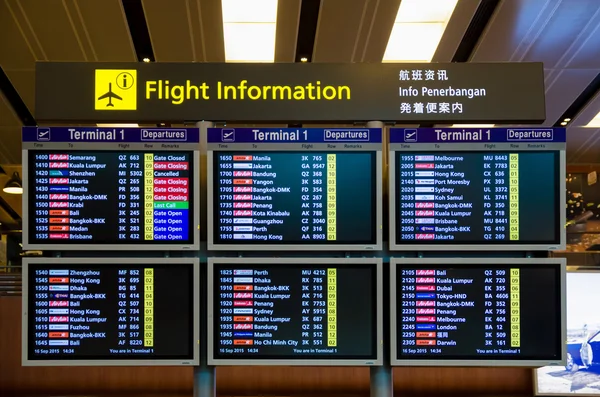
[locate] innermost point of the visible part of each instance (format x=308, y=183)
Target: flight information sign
x=288, y=189
x=127, y=188
x=266, y=311
x=477, y=189
x=475, y=311
x=110, y=311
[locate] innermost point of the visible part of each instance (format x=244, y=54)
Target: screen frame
x=195, y=262
x=378, y=262
x=562, y=219
x=396, y=263
x=297, y=247
x=570, y=269
x=194, y=204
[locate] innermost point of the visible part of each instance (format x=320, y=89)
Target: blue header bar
x=117, y=135
x=294, y=135
x=478, y=135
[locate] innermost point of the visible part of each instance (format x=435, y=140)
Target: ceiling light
x=563, y=123
x=14, y=185
x=567, y=120
x=126, y=125
x=146, y=59
x=472, y=125
x=304, y=59
x=418, y=29
x=249, y=28
x=595, y=122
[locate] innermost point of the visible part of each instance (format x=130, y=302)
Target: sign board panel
x=411, y=92
x=110, y=311
x=295, y=311
x=478, y=311
x=477, y=189
x=110, y=188
x=289, y=189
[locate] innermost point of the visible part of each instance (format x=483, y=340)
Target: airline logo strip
x=243, y=307
x=425, y=308
x=58, y=309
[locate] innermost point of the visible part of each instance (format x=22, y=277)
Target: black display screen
x=114, y=311
x=478, y=312
x=477, y=198
x=110, y=197
x=290, y=311
x=271, y=198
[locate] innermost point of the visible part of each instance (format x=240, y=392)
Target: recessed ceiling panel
x=563, y=88
x=288, y=17
x=515, y=25
x=564, y=31
x=53, y=29
x=172, y=38
x=377, y=24
x=583, y=145
x=108, y=42
x=14, y=50
x=340, y=23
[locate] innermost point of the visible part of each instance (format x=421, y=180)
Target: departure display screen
x=477, y=189
x=477, y=197
x=111, y=197
x=110, y=311
x=295, y=311
x=294, y=197
x=480, y=311
x=291, y=188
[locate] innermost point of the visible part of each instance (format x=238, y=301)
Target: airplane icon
x=410, y=135
x=110, y=95
x=43, y=134
x=228, y=135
